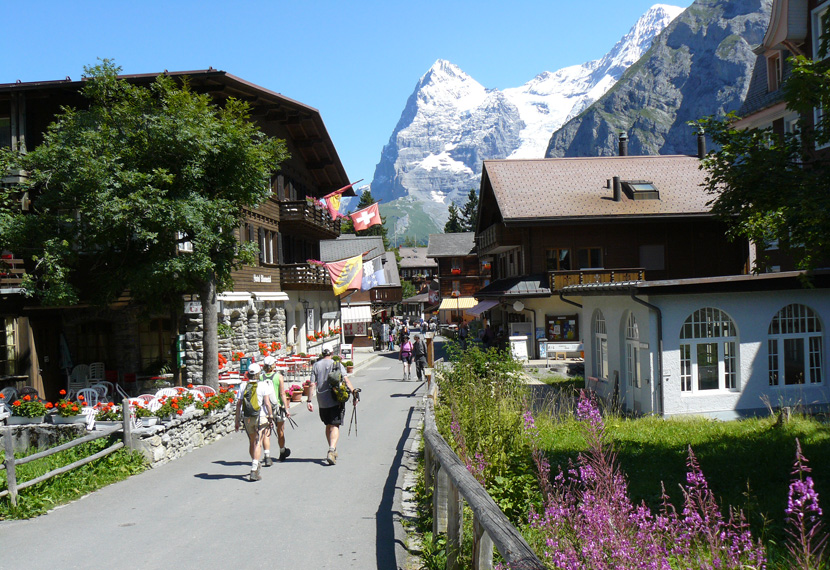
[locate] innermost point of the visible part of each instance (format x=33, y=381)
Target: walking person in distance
x=331, y=411
x=405, y=356
x=419, y=353
x=270, y=375
x=255, y=408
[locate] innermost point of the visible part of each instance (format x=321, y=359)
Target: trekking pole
x=356, y=396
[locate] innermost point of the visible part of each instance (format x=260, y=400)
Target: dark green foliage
x=454, y=223
x=469, y=212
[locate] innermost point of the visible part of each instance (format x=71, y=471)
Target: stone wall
x=249, y=326
x=171, y=440
x=41, y=436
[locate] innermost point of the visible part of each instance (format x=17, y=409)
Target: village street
x=200, y=511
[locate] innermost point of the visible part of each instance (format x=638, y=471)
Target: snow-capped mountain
x=451, y=123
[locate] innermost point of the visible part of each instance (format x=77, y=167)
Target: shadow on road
x=217, y=476
x=408, y=395
x=384, y=517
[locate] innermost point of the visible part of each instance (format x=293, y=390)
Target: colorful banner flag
x=365, y=218
x=373, y=275
x=333, y=205
x=346, y=274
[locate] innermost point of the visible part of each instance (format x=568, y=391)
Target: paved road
x=201, y=512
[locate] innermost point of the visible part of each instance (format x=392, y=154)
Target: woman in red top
x=405, y=357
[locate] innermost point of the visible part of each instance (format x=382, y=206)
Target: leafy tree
x=469, y=211
x=454, y=223
x=347, y=227
x=407, y=289
x=769, y=187
x=116, y=186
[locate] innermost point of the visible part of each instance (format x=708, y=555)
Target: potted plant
x=28, y=409
x=68, y=411
x=169, y=409
x=306, y=388
x=146, y=417
x=108, y=414
x=336, y=358
x=349, y=366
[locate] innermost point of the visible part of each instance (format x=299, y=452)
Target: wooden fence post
x=10, y=473
x=439, y=502
x=428, y=467
x=455, y=521
x=482, y=547
x=127, y=414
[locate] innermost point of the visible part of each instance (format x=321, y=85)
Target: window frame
x=632, y=352
x=600, y=331
x=698, y=331
x=794, y=322
x=9, y=349
x=558, y=258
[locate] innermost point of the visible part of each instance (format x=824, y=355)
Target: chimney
x=701, y=143
x=617, y=189
x=623, y=144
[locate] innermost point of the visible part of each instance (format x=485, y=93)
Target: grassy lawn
x=38, y=499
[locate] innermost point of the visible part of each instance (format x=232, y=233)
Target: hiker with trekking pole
x=270, y=375
x=255, y=408
x=332, y=386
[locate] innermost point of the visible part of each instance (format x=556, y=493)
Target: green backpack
x=338, y=388
x=250, y=401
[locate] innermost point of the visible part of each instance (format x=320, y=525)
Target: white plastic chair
x=102, y=390
x=79, y=377
x=90, y=396
x=96, y=372
x=206, y=390
x=198, y=395
x=146, y=397
x=167, y=392
x=153, y=404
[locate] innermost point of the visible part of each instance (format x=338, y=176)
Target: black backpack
x=339, y=390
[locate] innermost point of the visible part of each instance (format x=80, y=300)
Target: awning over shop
x=481, y=307
x=358, y=314
x=457, y=303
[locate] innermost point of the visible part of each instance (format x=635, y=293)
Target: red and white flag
x=365, y=218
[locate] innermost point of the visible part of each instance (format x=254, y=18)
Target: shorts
x=406, y=358
x=254, y=423
x=333, y=416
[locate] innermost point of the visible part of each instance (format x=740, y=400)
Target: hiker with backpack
x=405, y=356
x=270, y=375
x=332, y=387
x=419, y=354
x=255, y=408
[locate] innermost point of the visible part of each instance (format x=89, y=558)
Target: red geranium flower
x=62, y=392
x=180, y=412
x=17, y=403
x=174, y=405
x=27, y=397
x=48, y=405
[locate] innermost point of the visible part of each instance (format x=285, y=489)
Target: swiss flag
x=366, y=217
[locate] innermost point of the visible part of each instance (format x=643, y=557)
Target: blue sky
x=356, y=61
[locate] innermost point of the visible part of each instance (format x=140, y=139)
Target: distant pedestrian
x=463, y=335
x=419, y=354
x=391, y=341
x=405, y=356
x=331, y=411
x=258, y=399
x=271, y=375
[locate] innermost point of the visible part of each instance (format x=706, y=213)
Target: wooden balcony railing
x=11, y=272
x=299, y=276
x=560, y=279
x=496, y=238
x=386, y=295
x=304, y=215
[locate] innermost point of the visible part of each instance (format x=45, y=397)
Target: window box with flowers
x=108, y=414
x=68, y=411
x=145, y=416
x=28, y=409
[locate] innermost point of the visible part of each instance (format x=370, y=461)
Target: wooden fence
x=11, y=463
x=451, y=484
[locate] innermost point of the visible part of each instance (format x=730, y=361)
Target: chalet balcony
x=300, y=217
x=560, y=279
x=497, y=239
x=303, y=277
x=386, y=295
x=11, y=272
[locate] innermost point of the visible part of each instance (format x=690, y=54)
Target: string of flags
x=354, y=273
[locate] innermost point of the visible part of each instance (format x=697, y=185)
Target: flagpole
x=342, y=189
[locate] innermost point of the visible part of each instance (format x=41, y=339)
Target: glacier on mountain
x=451, y=123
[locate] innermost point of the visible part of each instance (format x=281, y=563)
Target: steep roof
x=415, y=257
x=451, y=245
x=577, y=188
x=349, y=245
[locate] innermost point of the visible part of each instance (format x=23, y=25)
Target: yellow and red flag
x=346, y=274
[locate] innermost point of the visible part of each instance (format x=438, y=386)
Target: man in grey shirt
x=331, y=411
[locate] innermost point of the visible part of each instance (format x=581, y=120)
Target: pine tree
x=469, y=212
x=454, y=224
x=347, y=226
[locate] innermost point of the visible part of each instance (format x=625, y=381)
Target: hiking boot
x=331, y=457
x=255, y=476
x=268, y=461
x=284, y=454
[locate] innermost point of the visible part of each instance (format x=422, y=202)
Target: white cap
x=269, y=361
x=254, y=369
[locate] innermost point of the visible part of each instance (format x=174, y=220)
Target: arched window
x=708, y=352
x=632, y=351
x=600, y=346
x=795, y=347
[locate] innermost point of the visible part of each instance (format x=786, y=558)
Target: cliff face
x=700, y=65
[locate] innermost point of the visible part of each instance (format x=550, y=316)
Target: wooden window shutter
x=279, y=249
